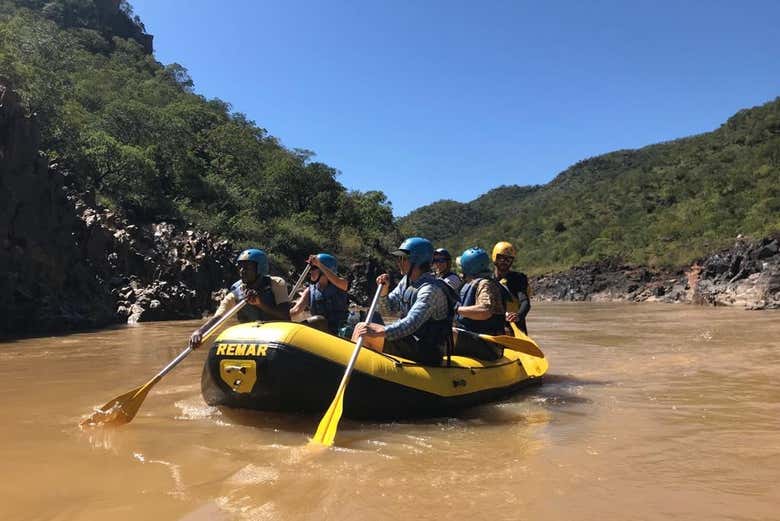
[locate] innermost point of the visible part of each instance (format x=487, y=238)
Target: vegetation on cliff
x=131, y=132
x=661, y=205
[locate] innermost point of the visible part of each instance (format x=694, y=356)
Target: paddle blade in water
x=326, y=432
x=118, y=411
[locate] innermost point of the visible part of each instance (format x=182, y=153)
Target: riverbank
x=746, y=275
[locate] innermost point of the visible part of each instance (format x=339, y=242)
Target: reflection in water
x=651, y=412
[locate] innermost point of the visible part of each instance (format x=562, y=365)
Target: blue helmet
x=474, y=261
x=258, y=257
x=328, y=260
x=419, y=250
x=443, y=253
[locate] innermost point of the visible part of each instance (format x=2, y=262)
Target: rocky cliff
x=66, y=264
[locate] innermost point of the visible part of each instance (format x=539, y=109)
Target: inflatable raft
x=284, y=366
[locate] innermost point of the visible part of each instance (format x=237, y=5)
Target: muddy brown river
x=648, y=412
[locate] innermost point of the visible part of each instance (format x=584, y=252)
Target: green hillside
x=132, y=133
x=661, y=205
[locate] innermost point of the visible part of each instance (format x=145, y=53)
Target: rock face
x=45, y=284
x=746, y=275
x=155, y=271
x=66, y=265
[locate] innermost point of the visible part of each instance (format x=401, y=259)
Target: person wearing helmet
x=266, y=295
x=442, y=266
x=326, y=296
x=481, y=306
x=424, y=331
x=514, y=285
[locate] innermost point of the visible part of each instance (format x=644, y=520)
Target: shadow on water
x=564, y=390
x=288, y=422
x=567, y=379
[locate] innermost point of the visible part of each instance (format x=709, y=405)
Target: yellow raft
x=284, y=366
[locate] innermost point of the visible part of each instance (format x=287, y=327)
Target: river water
x=649, y=412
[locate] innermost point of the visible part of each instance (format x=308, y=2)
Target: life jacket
x=511, y=283
x=468, y=297
x=434, y=336
x=331, y=303
x=453, y=282
x=250, y=313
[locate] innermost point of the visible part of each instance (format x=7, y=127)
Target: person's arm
x=339, y=282
x=225, y=305
x=302, y=304
x=482, y=309
x=428, y=299
x=280, y=311
x=373, y=335
x=389, y=301
x=524, y=305
x=475, y=312
x=523, y=298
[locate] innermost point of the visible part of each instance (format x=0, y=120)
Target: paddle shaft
x=359, y=343
x=227, y=316
x=219, y=323
x=518, y=332
x=300, y=281
x=326, y=430
x=181, y=356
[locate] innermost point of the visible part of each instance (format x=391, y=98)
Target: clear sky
x=429, y=100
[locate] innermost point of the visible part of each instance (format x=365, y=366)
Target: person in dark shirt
x=514, y=283
x=326, y=297
x=266, y=295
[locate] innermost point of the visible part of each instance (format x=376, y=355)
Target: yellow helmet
x=503, y=248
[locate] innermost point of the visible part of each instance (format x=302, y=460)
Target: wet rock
x=768, y=250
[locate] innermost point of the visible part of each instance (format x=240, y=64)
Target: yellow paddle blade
x=326, y=431
x=522, y=345
x=533, y=365
x=120, y=410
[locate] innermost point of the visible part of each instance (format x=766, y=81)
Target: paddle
x=123, y=408
x=300, y=281
x=326, y=431
x=522, y=344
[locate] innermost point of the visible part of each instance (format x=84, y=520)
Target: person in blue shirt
x=424, y=331
x=326, y=296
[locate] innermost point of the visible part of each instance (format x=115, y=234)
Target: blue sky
x=430, y=100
